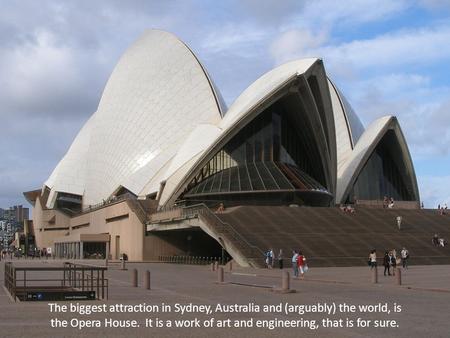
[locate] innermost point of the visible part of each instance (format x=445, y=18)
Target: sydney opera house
x=149, y=169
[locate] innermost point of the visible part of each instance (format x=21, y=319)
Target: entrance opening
x=94, y=250
x=192, y=242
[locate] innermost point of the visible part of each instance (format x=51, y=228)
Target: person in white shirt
x=405, y=255
x=294, y=263
x=399, y=222
x=373, y=259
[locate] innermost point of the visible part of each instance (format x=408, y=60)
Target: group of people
x=299, y=265
x=347, y=208
x=390, y=260
x=388, y=202
x=442, y=210
x=38, y=253
x=270, y=259
x=220, y=208
x=438, y=241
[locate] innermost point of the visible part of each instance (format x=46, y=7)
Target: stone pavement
x=424, y=297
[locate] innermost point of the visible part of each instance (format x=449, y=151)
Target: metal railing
x=86, y=278
x=193, y=260
x=105, y=203
x=75, y=277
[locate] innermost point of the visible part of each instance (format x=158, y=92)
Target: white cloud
x=295, y=44
x=415, y=46
x=350, y=13
x=434, y=190
x=435, y=5
x=234, y=38
x=423, y=110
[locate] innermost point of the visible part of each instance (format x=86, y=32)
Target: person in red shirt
x=301, y=262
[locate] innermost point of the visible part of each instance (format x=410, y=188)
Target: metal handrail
x=71, y=278
x=105, y=203
x=201, y=207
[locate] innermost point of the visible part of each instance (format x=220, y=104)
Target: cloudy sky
x=387, y=56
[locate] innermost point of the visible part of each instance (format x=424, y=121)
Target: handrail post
x=98, y=286
x=103, y=284
x=15, y=279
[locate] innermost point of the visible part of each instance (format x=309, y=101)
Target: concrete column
x=147, y=280
x=134, y=278
x=374, y=275
x=285, y=281
x=81, y=250
x=107, y=250
x=220, y=274
x=398, y=276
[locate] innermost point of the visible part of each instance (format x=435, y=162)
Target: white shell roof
x=261, y=89
x=264, y=87
x=160, y=115
x=360, y=153
x=156, y=96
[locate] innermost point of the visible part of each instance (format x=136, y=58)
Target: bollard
x=374, y=275
x=231, y=265
x=213, y=268
x=123, y=265
x=216, y=265
x=220, y=275
x=285, y=281
x=399, y=276
x=285, y=284
x=134, y=278
x=147, y=280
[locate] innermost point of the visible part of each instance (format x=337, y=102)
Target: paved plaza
x=424, y=298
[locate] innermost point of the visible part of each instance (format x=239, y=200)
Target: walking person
x=399, y=222
x=393, y=257
x=301, y=261
x=271, y=258
x=280, y=259
x=387, y=263
x=294, y=263
x=373, y=259
x=405, y=256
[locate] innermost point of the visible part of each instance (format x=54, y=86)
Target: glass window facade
x=274, y=152
x=384, y=174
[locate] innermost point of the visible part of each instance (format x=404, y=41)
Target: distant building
x=16, y=213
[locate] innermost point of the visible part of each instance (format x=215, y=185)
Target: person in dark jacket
x=387, y=263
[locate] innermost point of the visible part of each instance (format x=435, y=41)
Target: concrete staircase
x=231, y=237
x=330, y=237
